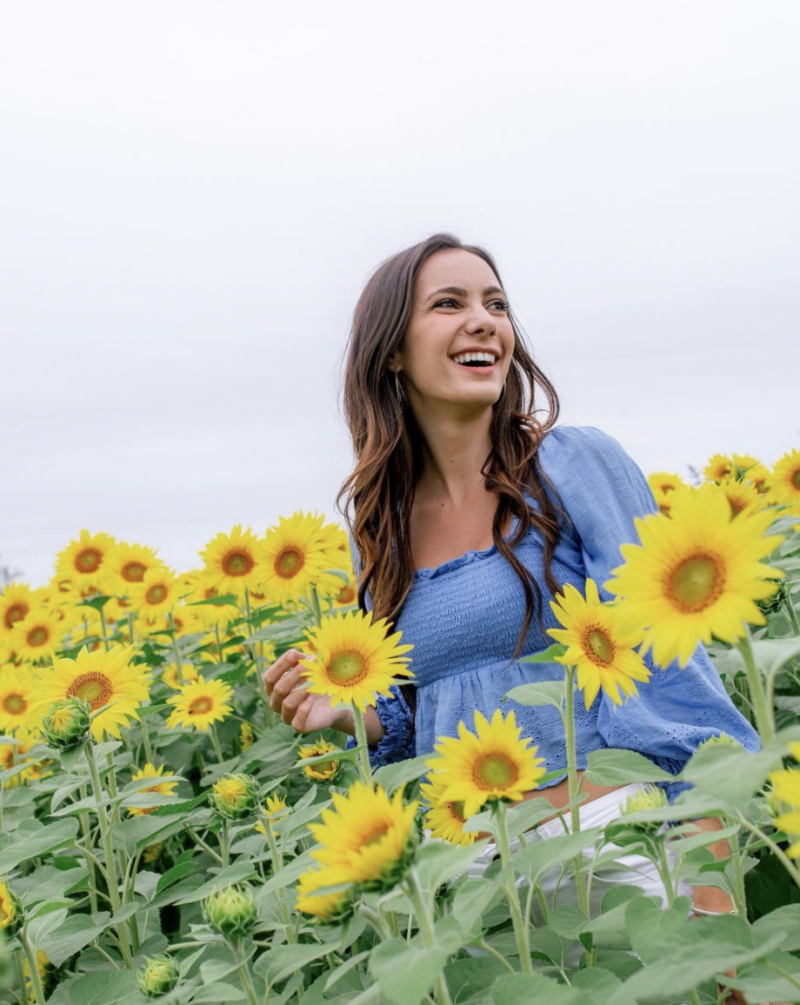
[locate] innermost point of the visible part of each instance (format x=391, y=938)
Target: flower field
x=165, y=836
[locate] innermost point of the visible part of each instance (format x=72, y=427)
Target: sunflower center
x=347, y=594
x=201, y=706
x=38, y=636
x=795, y=479
x=495, y=771
x=133, y=572
x=15, y=613
x=14, y=704
x=347, y=668
x=289, y=563
x=736, y=505
x=88, y=560
x=696, y=582
x=598, y=646
x=156, y=594
x=237, y=563
x=375, y=835
x=457, y=809
x=92, y=687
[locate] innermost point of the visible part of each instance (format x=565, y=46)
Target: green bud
x=232, y=911
x=652, y=798
x=723, y=740
x=235, y=797
x=772, y=604
x=67, y=723
x=159, y=975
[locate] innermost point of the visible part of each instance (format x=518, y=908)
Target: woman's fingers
x=284, y=687
x=300, y=721
x=291, y=704
x=282, y=664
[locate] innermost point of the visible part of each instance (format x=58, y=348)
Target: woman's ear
x=394, y=364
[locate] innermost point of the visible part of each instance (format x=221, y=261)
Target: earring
x=401, y=394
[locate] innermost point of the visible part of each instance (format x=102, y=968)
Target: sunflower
x=664, y=501
x=10, y=909
x=664, y=482
x=17, y=600
x=786, y=480
x=17, y=689
x=743, y=464
x=295, y=557
x=163, y=788
x=169, y=674
x=444, y=817
x=83, y=561
x=696, y=575
x=233, y=561
x=14, y=754
x=600, y=640
x=786, y=788
x=113, y=685
x=246, y=736
x=367, y=838
x=157, y=593
x=761, y=477
x=355, y=660
x=493, y=765
x=126, y=564
x=347, y=594
x=200, y=703
x=38, y=635
x=274, y=809
x=325, y=771
x=719, y=467
x=330, y=907
x=742, y=496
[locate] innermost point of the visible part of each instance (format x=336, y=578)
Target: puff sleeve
x=603, y=489
x=397, y=743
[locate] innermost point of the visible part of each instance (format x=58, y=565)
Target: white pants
x=635, y=870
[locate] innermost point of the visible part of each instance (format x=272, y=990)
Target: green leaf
x=785, y=920
x=218, y=992
x=33, y=841
x=546, y=655
x=284, y=960
x=96, y=603
x=620, y=767
x=438, y=862
x=762, y=982
x=392, y=776
x=406, y=972
x=729, y=774
x=102, y=987
x=177, y=872
x=472, y=900
x=551, y=692
x=535, y=860
x=72, y=935
x=521, y=989
x=288, y=874
x=235, y=873
x=772, y=654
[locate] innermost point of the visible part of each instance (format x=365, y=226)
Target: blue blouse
x=464, y=618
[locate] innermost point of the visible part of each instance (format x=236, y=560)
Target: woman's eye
x=504, y=305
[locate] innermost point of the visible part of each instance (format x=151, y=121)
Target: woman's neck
x=454, y=448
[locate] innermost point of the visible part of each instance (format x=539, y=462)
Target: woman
x=469, y=515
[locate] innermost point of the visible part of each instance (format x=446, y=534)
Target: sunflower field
x=165, y=836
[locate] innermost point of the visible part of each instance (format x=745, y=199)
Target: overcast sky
x=192, y=195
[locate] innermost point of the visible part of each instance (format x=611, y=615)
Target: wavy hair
x=386, y=440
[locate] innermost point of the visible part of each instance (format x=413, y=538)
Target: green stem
x=175, y=650
x=244, y=973
x=316, y=607
x=224, y=844
x=416, y=896
x=572, y=785
x=111, y=863
x=215, y=744
x=206, y=847
x=86, y=831
x=664, y=873
x=364, y=767
x=30, y=956
x=520, y=926
x=103, y=628
x=777, y=851
x=219, y=644
x=694, y=997
x=764, y=718
x=498, y=956
x=148, y=750
x=131, y=617
x=739, y=895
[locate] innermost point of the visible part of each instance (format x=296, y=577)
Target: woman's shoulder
x=562, y=446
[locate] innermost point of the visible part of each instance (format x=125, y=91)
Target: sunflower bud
x=68, y=723
x=159, y=975
x=772, y=604
x=231, y=911
x=235, y=797
x=324, y=772
x=10, y=911
x=723, y=740
x=651, y=798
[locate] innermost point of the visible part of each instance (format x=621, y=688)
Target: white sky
x=193, y=194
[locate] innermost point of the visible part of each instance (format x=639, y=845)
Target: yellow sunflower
x=325, y=771
x=786, y=788
x=17, y=690
x=719, y=467
x=201, y=703
x=324, y=906
x=600, y=642
x=743, y=464
x=163, y=788
x=295, y=558
x=663, y=482
x=742, y=496
x=696, y=575
x=274, y=809
x=83, y=561
x=444, y=817
x=109, y=681
x=492, y=765
x=156, y=594
x=233, y=562
x=126, y=564
x=38, y=636
x=664, y=500
x=169, y=674
x=14, y=754
x=356, y=660
x=17, y=600
x=10, y=908
x=786, y=480
x=761, y=477
x=347, y=594
x=367, y=838
x=246, y=736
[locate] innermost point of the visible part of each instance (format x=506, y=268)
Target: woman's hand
x=304, y=712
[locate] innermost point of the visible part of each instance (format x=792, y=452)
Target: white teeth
x=475, y=357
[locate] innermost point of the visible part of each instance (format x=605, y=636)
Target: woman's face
x=458, y=308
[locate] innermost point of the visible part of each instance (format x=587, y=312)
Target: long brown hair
x=386, y=439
